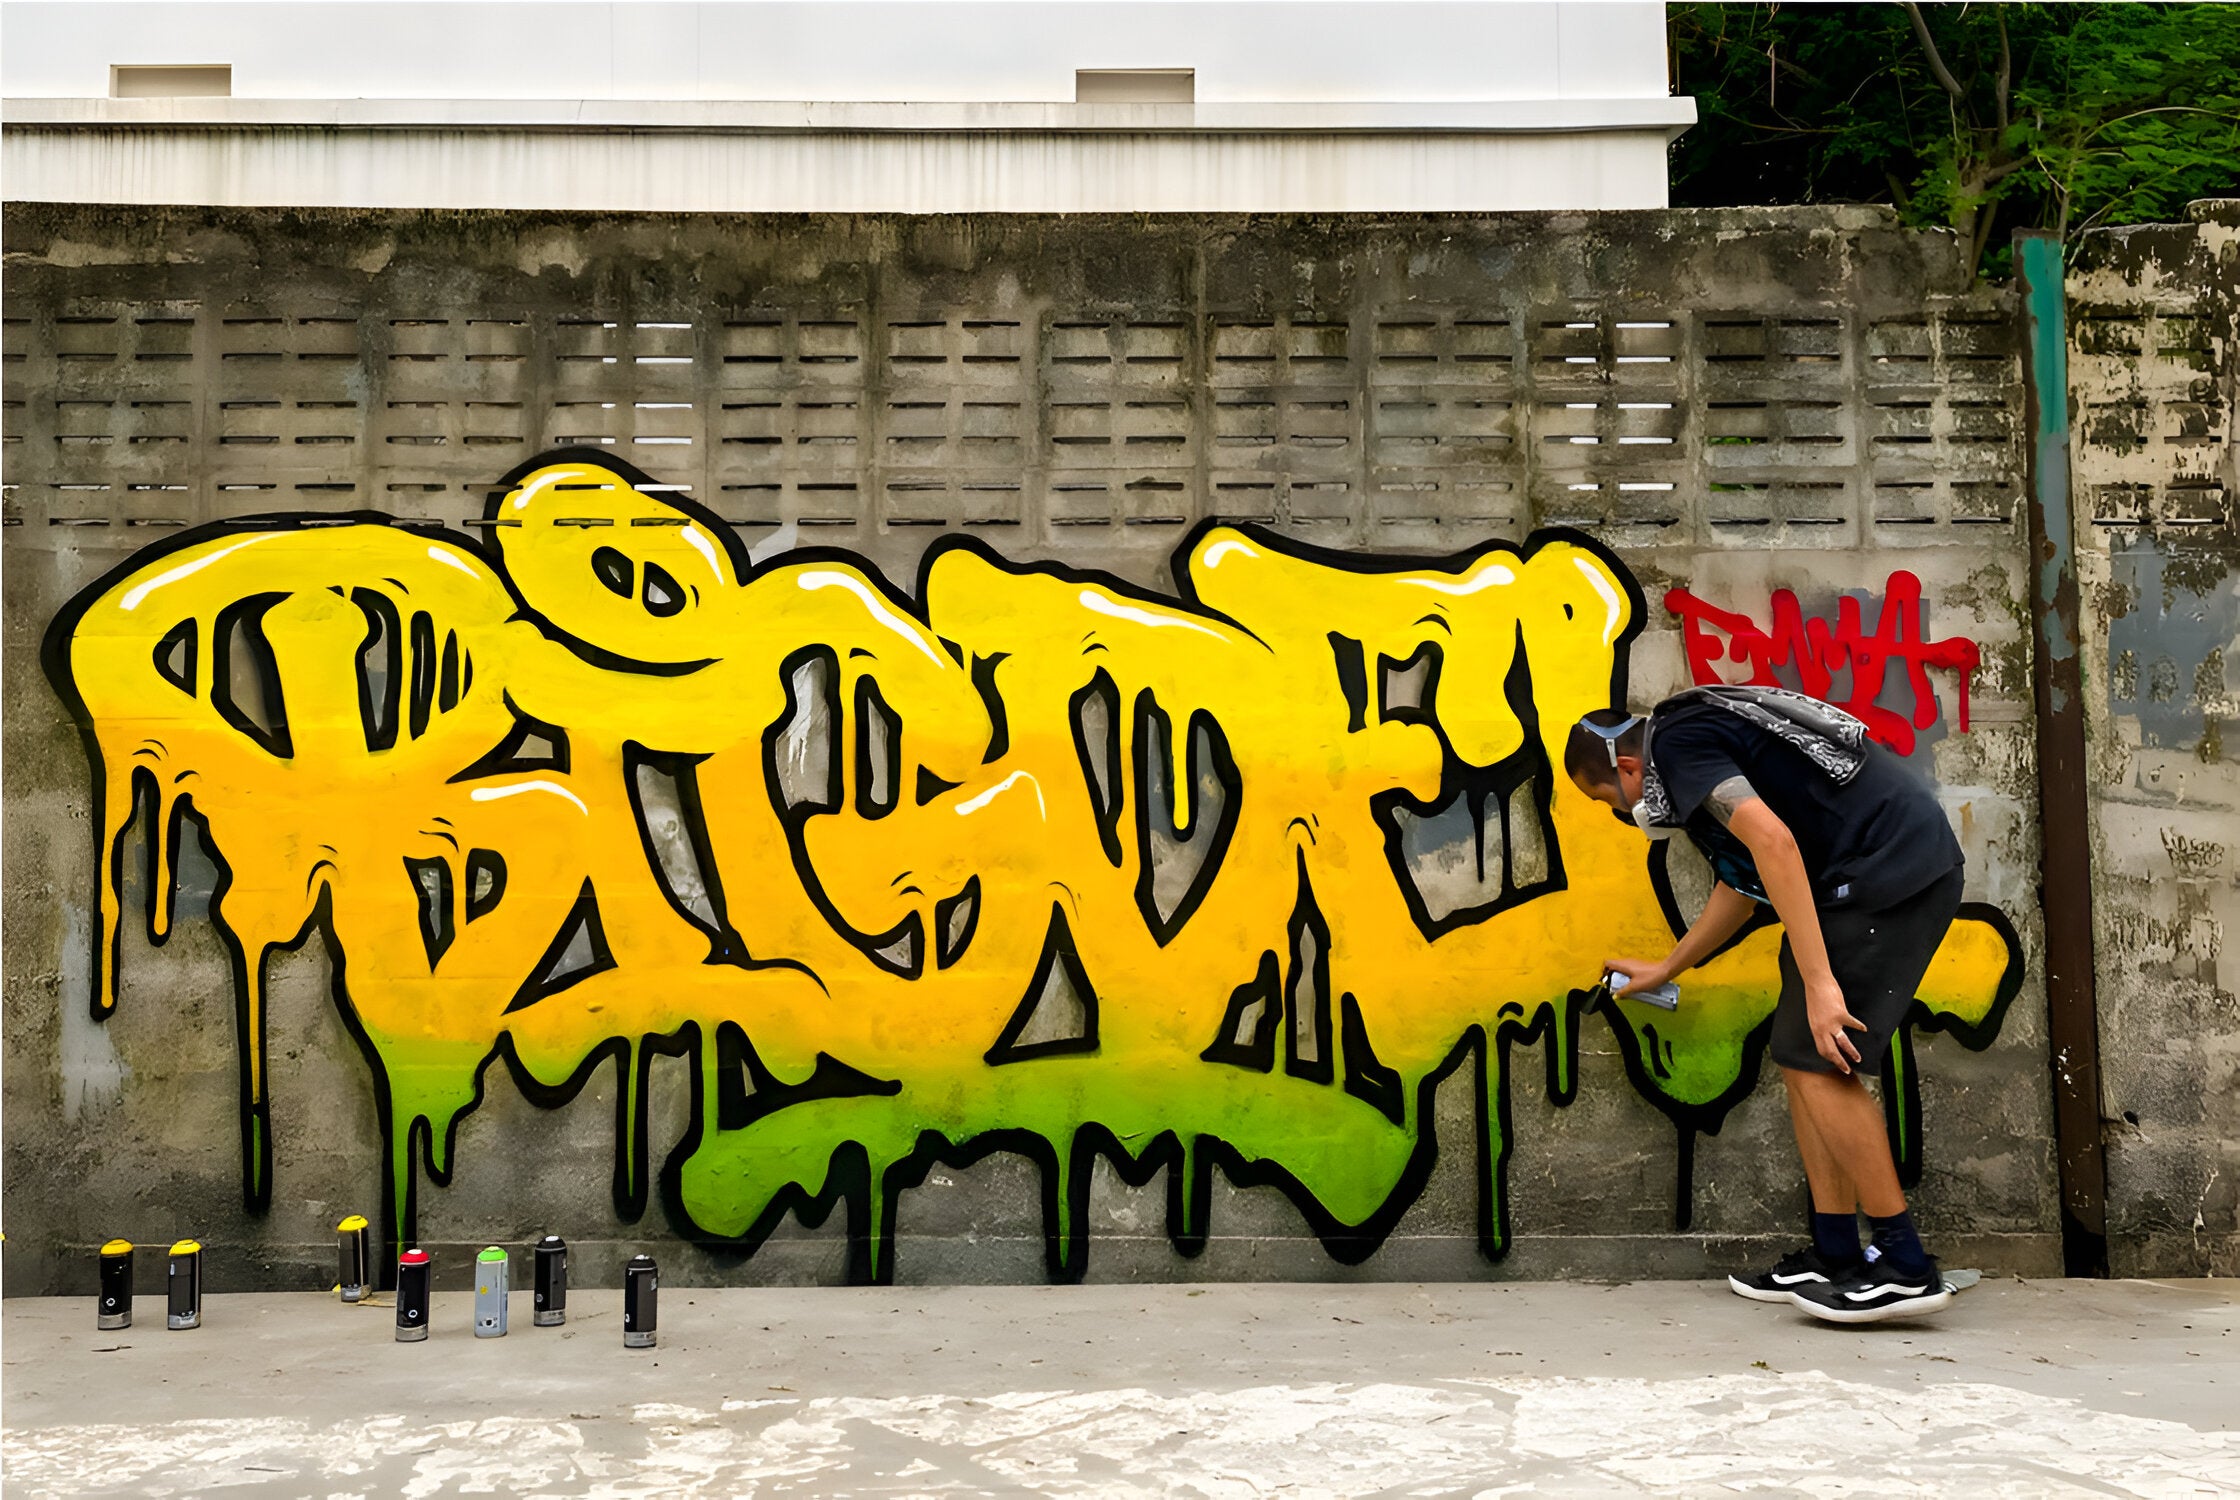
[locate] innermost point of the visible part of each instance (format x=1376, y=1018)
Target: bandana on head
x=1831, y=739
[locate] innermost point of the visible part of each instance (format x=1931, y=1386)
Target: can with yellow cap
x=116, y=1286
x=354, y=1240
x=186, y=1286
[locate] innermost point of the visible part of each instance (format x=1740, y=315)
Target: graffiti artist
x=1797, y=810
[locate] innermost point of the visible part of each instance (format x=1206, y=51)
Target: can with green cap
x=354, y=1271
x=491, y=1286
x=116, y=1286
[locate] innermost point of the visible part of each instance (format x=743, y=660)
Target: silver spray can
x=492, y=1284
x=551, y=1282
x=354, y=1258
x=641, y=1287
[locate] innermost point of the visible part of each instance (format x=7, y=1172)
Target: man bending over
x=1796, y=809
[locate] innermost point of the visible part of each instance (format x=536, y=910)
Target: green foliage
x=1986, y=118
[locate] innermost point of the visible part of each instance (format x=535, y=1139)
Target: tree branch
x=2168, y=109
x=2006, y=70
x=1980, y=239
x=1935, y=58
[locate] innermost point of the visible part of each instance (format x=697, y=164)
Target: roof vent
x=1135, y=86
x=171, y=81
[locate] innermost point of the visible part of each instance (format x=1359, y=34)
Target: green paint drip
x=1894, y=1077
x=633, y=1118
x=1069, y=1234
x=1192, y=1226
x=1493, y=1106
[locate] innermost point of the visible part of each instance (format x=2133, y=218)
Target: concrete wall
x=2155, y=367
x=1744, y=436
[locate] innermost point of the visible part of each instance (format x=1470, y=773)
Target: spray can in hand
x=1663, y=997
x=493, y=1287
x=354, y=1258
x=186, y=1286
x=641, y=1286
x=551, y=1282
x=115, y=1308
x=414, y=1272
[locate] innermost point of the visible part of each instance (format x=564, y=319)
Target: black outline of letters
x=848, y=1178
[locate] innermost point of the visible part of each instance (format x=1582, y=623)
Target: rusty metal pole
x=2057, y=674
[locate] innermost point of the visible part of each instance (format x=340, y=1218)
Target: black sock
x=1836, y=1237
x=1899, y=1243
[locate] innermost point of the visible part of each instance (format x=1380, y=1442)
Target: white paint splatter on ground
x=1806, y=1435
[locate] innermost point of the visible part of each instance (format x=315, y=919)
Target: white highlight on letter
x=1613, y=602
x=878, y=609
x=493, y=793
x=1098, y=604
x=973, y=805
x=138, y=592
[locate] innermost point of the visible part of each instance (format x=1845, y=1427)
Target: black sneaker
x=1794, y=1272
x=1873, y=1291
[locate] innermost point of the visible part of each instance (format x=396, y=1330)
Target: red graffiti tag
x=1818, y=650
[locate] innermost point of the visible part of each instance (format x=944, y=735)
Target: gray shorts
x=1878, y=957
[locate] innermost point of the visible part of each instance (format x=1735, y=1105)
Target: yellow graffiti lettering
x=1028, y=860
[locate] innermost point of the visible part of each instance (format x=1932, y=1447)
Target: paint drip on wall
x=1032, y=861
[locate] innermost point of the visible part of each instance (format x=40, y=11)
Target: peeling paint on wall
x=2170, y=652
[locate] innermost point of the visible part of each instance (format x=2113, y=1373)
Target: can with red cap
x=415, y=1270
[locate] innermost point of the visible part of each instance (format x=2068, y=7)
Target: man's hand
x=1641, y=974
x=1830, y=1018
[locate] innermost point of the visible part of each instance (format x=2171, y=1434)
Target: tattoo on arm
x=1727, y=797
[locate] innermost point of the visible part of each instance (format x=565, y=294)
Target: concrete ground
x=1665, y=1388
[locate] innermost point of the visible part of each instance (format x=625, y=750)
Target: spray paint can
x=186, y=1286
x=551, y=1282
x=641, y=1287
x=354, y=1254
x=116, y=1286
x=414, y=1271
x=493, y=1284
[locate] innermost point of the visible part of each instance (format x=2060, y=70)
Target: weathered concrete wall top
x=2155, y=370
x=1776, y=444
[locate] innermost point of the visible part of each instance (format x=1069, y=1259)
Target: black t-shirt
x=1870, y=844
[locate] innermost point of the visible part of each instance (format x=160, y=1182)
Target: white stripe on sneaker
x=1781, y=1280
x=1876, y=1291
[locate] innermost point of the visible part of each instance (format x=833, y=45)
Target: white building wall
x=843, y=106
x=1336, y=51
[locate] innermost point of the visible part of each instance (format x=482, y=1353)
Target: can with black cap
x=641, y=1287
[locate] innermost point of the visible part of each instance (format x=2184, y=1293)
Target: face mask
x=1640, y=820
